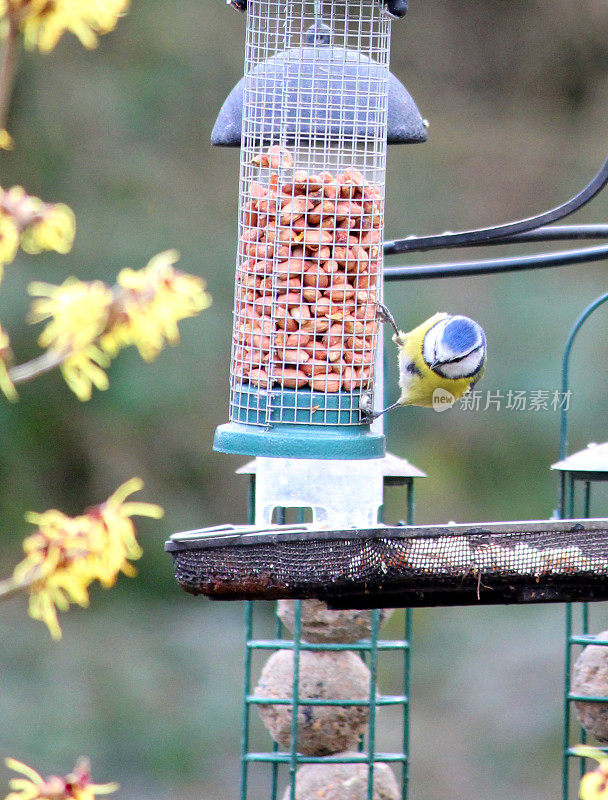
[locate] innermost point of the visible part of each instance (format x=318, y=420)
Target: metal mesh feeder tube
x=315, y=97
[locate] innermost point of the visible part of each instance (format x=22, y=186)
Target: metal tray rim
x=239, y=535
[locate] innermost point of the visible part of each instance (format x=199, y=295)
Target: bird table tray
x=403, y=566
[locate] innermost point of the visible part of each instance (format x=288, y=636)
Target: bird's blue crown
x=461, y=335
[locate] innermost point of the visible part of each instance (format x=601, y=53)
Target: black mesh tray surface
x=509, y=562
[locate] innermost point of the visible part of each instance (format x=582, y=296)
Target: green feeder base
x=300, y=441
x=296, y=424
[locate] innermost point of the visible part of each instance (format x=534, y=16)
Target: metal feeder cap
x=593, y=460
x=311, y=77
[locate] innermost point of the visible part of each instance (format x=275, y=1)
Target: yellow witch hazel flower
x=150, y=302
x=6, y=385
x=77, y=310
x=75, y=786
x=6, y=140
x=53, y=230
x=43, y=226
x=594, y=784
x=43, y=22
x=66, y=554
x=57, y=568
x=9, y=240
x=88, y=323
x=78, y=313
x=84, y=370
x=114, y=542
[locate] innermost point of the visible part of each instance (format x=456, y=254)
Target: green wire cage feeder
x=313, y=115
x=586, y=654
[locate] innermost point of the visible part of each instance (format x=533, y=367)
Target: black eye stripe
x=439, y=371
x=462, y=358
x=457, y=359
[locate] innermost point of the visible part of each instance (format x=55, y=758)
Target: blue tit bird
x=395, y=9
x=447, y=352
x=237, y=5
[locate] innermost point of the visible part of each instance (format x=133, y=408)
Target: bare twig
x=9, y=588
x=7, y=69
x=37, y=366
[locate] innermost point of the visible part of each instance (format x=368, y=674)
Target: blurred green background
x=148, y=680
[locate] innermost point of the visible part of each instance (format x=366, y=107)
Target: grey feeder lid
x=392, y=467
x=308, y=72
x=591, y=463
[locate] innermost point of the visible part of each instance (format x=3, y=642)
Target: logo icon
x=442, y=400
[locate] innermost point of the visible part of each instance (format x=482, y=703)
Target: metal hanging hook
x=482, y=236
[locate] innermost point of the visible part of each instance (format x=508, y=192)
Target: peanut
x=273, y=157
x=294, y=208
x=291, y=267
x=257, y=191
x=250, y=216
x=315, y=237
x=315, y=279
x=285, y=320
x=322, y=210
x=288, y=283
x=294, y=356
x=317, y=369
x=321, y=235
x=291, y=378
x=330, y=266
x=259, y=377
x=257, y=250
x=298, y=340
x=371, y=237
x=316, y=352
x=311, y=295
x=315, y=325
x=300, y=313
x=340, y=291
x=349, y=381
x=329, y=384
x=304, y=182
x=344, y=237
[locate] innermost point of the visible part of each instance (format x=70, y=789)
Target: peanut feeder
x=312, y=114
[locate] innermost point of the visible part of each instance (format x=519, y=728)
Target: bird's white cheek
x=463, y=369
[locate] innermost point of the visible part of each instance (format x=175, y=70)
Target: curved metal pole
x=492, y=266
x=552, y=233
x=485, y=235
x=563, y=439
